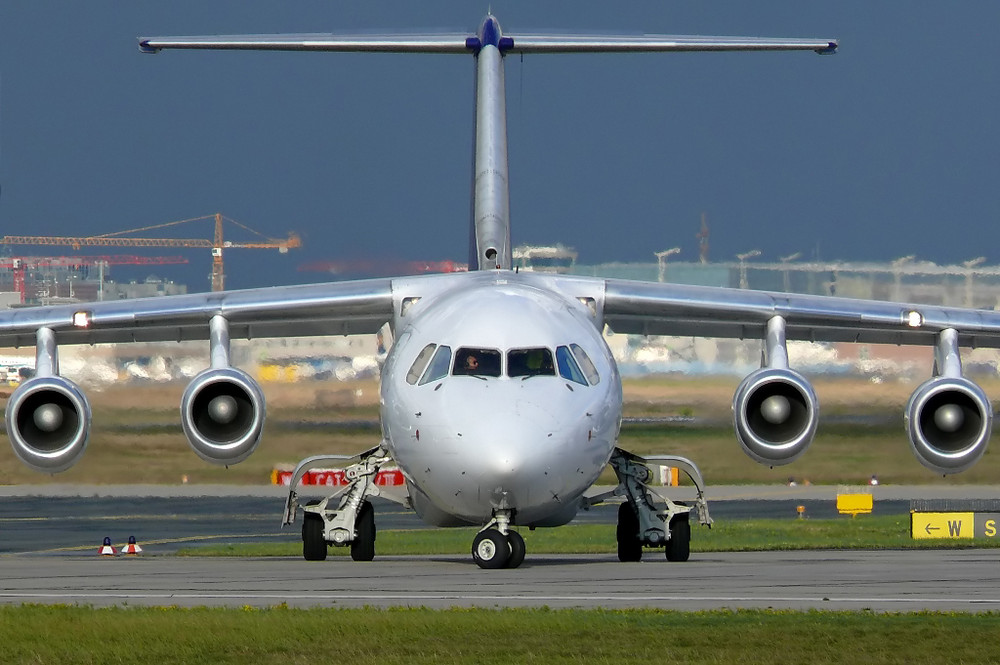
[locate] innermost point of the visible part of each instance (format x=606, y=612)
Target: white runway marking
x=588, y=600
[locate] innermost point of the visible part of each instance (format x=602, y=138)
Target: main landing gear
x=641, y=523
x=496, y=546
x=352, y=522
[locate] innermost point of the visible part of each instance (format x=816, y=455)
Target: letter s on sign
x=991, y=528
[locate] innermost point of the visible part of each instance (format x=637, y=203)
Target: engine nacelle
x=222, y=413
x=775, y=413
x=948, y=421
x=48, y=423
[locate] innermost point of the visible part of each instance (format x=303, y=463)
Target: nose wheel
x=517, y=549
x=492, y=549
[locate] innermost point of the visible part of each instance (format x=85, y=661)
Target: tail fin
x=490, y=234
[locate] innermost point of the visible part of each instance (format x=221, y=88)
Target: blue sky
x=886, y=149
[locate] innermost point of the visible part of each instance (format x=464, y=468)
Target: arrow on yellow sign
x=942, y=525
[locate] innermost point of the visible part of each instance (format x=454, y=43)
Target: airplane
x=499, y=400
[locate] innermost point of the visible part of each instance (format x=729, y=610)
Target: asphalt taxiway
x=54, y=520
x=49, y=536
x=962, y=580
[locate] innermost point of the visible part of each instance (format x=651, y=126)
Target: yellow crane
x=216, y=244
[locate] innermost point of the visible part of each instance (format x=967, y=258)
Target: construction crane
x=217, y=244
x=20, y=265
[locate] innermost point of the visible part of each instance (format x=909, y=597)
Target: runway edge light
x=107, y=549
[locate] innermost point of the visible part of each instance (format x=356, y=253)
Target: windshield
x=530, y=362
x=476, y=362
x=417, y=368
x=568, y=367
x=439, y=366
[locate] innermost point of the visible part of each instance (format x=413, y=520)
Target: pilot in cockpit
x=471, y=364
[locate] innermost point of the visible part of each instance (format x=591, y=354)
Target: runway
x=49, y=539
x=896, y=581
x=165, y=520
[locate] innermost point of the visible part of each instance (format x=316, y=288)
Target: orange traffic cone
x=107, y=549
x=132, y=547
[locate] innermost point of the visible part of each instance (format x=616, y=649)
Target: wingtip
x=830, y=49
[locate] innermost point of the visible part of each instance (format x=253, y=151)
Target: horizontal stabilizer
x=465, y=43
x=625, y=44
x=425, y=43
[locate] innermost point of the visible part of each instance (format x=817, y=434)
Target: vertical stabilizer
x=491, y=194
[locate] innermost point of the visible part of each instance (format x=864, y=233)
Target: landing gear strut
x=352, y=522
x=496, y=546
x=641, y=523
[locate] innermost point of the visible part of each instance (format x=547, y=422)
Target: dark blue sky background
x=888, y=148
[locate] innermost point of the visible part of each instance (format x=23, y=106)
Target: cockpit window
x=585, y=363
x=476, y=362
x=568, y=367
x=417, y=368
x=530, y=362
x=439, y=366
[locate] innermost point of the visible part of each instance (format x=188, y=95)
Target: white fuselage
x=473, y=444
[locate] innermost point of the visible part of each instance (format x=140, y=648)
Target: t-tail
x=489, y=245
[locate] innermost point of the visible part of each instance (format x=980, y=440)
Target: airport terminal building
x=285, y=360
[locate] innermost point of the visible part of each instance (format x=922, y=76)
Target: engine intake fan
x=948, y=422
x=222, y=413
x=775, y=414
x=48, y=423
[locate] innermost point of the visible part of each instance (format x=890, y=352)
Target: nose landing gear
x=496, y=546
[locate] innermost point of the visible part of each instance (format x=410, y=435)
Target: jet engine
x=948, y=421
x=775, y=413
x=222, y=413
x=48, y=423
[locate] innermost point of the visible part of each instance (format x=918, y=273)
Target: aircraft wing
x=337, y=308
x=650, y=308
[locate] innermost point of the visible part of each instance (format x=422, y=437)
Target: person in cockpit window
x=471, y=365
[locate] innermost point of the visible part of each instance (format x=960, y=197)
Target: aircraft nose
x=511, y=446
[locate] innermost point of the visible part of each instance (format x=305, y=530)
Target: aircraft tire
x=363, y=545
x=679, y=545
x=517, y=549
x=313, y=545
x=490, y=549
x=629, y=546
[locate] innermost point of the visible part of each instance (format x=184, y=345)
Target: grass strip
x=69, y=635
x=862, y=532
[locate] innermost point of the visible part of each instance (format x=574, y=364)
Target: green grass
x=863, y=532
x=69, y=635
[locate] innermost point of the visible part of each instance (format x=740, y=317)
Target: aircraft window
x=530, y=362
x=439, y=366
x=417, y=368
x=477, y=362
x=586, y=364
x=568, y=367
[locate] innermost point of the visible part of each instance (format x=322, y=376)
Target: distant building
x=555, y=258
x=913, y=281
